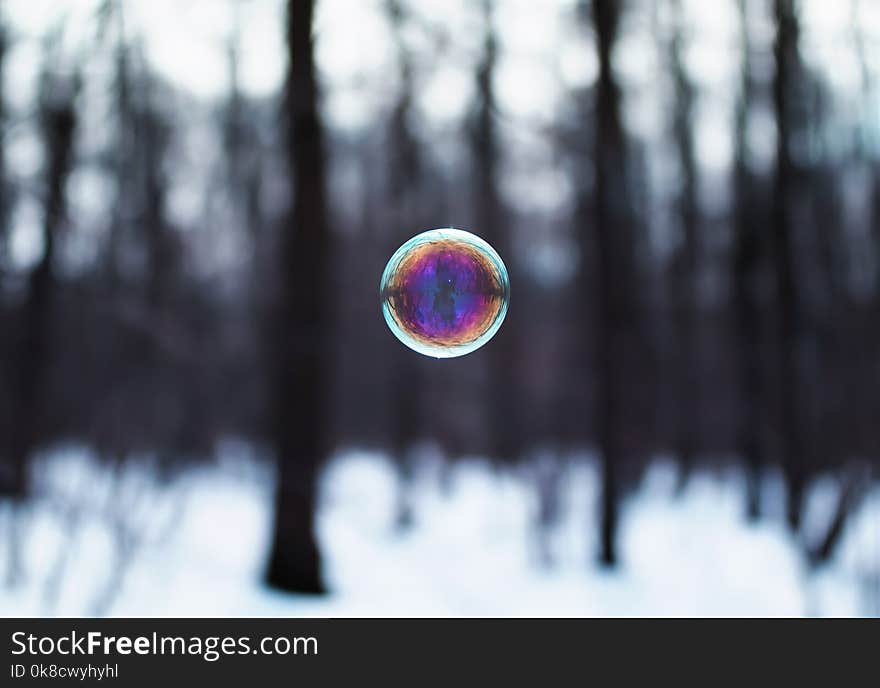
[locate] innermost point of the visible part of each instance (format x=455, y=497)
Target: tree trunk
x=58, y=120
x=302, y=323
x=684, y=266
x=786, y=58
x=7, y=470
x=613, y=230
x=5, y=196
x=505, y=425
x=746, y=256
x=405, y=175
x=853, y=486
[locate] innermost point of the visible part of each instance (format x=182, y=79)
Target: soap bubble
x=445, y=293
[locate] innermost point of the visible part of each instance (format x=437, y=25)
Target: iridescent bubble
x=445, y=293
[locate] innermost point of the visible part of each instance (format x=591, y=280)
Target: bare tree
x=30, y=381
x=854, y=484
x=155, y=140
x=868, y=156
x=112, y=22
x=241, y=143
x=8, y=477
x=746, y=256
x=785, y=51
x=492, y=222
x=301, y=320
x=405, y=173
x=5, y=187
x=7, y=472
x=612, y=227
x=685, y=299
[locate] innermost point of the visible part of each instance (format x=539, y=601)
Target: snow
x=198, y=545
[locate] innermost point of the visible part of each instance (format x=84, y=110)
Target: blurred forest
x=687, y=198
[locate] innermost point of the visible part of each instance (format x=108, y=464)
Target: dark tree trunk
x=875, y=222
x=853, y=486
x=405, y=174
x=5, y=196
x=613, y=234
x=302, y=321
x=242, y=149
x=746, y=257
x=170, y=411
x=58, y=123
x=155, y=138
x=7, y=470
x=684, y=267
x=124, y=155
x=871, y=158
x=503, y=402
x=785, y=51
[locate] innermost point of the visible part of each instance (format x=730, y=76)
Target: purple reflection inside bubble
x=445, y=293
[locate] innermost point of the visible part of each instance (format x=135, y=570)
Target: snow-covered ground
x=118, y=542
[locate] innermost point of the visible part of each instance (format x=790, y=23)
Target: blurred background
x=202, y=411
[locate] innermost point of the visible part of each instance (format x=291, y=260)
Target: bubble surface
x=445, y=293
